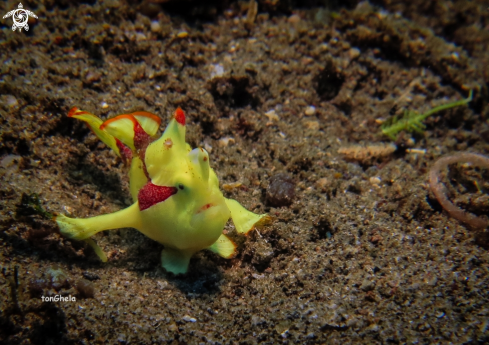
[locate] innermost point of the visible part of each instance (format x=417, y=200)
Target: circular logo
x=20, y=18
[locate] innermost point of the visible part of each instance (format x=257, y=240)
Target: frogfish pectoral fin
x=135, y=130
x=149, y=121
x=100, y=253
x=223, y=247
x=94, y=123
x=245, y=220
x=175, y=261
x=137, y=177
x=84, y=228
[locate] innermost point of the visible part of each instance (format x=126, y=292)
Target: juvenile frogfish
x=177, y=201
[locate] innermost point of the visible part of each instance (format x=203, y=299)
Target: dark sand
x=365, y=254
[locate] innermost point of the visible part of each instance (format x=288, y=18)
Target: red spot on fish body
x=152, y=194
x=204, y=208
x=180, y=116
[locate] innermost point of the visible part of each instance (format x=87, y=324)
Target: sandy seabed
x=364, y=254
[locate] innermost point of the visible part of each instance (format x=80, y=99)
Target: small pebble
x=90, y=276
x=11, y=101
x=228, y=187
x=163, y=285
x=354, y=53
x=85, y=288
x=92, y=77
x=37, y=285
x=57, y=277
x=217, y=70
x=272, y=116
x=208, y=147
x=293, y=19
x=10, y=160
x=70, y=211
x=375, y=181
x=367, y=285
x=155, y=26
x=314, y=125
x=281, y=191
x=310, y=110
x=322, y=184
x=140, y=37
x=324, y=46
x=189, y=319
x=223, y=142
x=376, y=239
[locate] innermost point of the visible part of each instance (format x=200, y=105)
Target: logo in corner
x=20, y=18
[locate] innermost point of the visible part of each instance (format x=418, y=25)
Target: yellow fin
x=223, y=247
x=83, y=228
x=137, y=177
x=243, y=219
x=100, y=253
x=122, y=128
x=150, y=122
x=94, y=123
x=175, y=261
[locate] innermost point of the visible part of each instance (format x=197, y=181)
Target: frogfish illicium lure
x=177, y=201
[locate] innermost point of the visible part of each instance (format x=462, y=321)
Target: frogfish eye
x=180, y=186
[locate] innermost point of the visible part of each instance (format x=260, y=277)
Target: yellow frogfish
x=177, y=201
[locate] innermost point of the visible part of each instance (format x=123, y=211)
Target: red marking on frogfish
x=118, y=118
x=204, y=208
x=126, y=152
x=141, y=138
x=152, y=194
x=141, y=142
x=75, y=111
x=72, y=111
x=180, y=116
x=148, y=115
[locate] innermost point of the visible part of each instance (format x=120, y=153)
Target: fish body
x=177, y=200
